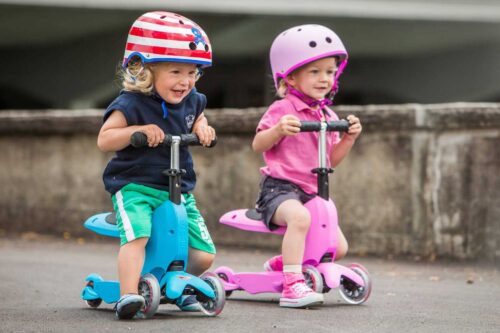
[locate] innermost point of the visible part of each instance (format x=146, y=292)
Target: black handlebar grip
x=338, y=126
x=192, y=140
x=310, y=126
x=138, y=140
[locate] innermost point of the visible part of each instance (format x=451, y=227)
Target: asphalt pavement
x=41, y=279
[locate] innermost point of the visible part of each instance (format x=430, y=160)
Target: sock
x=297, y=269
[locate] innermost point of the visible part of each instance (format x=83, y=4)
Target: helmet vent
x=206, y=47
x=312, y=44
x=181, y=22
x=162, y=17
x=192, y=46
x=328, y=39
x=299, y=30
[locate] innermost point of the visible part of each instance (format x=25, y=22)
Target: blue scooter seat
x=103, y=224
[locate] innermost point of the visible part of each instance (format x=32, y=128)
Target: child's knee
x=301, y=220
x=342, y=247
x=200, y=259
x=207, y=259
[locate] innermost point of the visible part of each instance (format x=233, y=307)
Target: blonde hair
x=138, y=77
x=282, y=89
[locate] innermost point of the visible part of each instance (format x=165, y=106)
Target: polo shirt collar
x=297, y=103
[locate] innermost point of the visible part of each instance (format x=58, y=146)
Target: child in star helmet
x=163, y=58
x=306, y=63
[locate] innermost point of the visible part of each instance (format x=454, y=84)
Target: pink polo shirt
x=293, y=157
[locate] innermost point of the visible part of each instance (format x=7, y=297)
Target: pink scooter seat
x=248, y=219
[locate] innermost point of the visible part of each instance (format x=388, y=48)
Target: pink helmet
x=164, y=36
x=303, y=44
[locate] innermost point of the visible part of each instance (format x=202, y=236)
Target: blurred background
x=64, y=53
x=423, y=76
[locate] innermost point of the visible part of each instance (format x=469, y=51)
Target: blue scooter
x=164, y=278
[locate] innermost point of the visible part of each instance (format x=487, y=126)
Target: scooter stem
x=174, y=173
x=322, y=171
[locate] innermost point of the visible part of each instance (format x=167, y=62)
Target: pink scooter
x=320, y=271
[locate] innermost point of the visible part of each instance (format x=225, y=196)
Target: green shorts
x=134, y=205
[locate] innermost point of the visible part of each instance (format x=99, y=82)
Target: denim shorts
x=273, y=192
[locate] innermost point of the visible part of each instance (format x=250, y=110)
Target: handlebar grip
x=338, y=126
x=310, y=126
x=139, y=140
x=332, y=126
x=192, y=140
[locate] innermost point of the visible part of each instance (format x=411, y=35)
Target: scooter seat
x=248, y=219
x=103, y=224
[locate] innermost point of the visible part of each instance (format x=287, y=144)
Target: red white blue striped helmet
x=163, y=36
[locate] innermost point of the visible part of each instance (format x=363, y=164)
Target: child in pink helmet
x=163, y=58
x=306, y=62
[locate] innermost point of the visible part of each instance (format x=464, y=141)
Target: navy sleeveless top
x=145, y=165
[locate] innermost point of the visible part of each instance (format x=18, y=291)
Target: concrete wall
x=422, y=179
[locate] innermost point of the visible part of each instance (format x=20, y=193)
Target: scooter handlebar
x=332, y=126
x=139, y=140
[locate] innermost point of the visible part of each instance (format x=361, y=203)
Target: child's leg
x=130, y=262
x=296, y=294
x=201, y=249
x=199, y=261
x=293, y=215
x=201, y=246
x=342, y=245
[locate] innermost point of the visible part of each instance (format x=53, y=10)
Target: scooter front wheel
x=313, y=277
x=212, y=307
x=149, y=288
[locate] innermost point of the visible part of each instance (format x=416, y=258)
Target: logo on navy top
x=189, y=120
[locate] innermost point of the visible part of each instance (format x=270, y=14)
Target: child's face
x=174, y=81
x=315, y=79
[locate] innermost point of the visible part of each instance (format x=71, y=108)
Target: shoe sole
x=191, y=308
x=301, y=303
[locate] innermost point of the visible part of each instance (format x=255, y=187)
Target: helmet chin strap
x=311, y=102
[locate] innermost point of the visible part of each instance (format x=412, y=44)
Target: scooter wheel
x=149, y=288
x=224, y=277
x=313, y=277
x=94, y=303
x=353, y=293
x=212, y=307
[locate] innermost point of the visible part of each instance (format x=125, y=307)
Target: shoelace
x=301, y=288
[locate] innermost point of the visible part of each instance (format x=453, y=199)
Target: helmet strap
x=134, y=76
x=311, y=102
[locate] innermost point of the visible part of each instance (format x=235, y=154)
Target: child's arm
x=115, y=134
x=265, y=139
x=343, y=148
x=203, y=131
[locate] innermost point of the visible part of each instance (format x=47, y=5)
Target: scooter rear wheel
x=212, y=307
x=149, y=288
x=94, y=303
x=224, y=277
x=353, y=293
